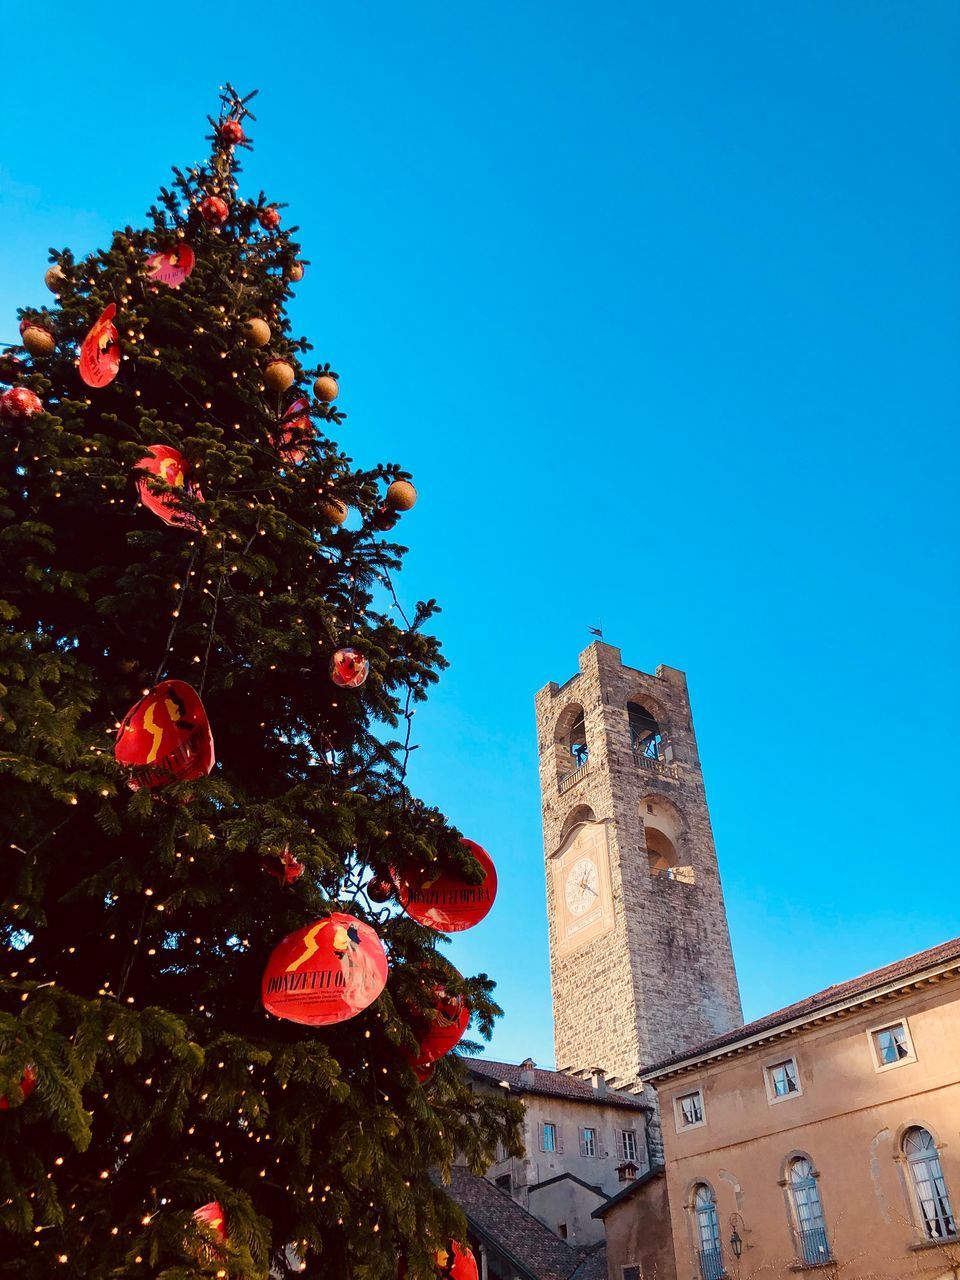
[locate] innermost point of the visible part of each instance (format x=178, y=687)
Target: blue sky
x=659, y=303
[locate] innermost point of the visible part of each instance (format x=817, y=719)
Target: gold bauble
x=54, y=279
x=38, y=341
x=401, y=495
x=326, y=388
x=257, y=332
x=296, y=271
x=333, y=510
x=279, y=374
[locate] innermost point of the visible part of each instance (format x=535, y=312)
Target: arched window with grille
x=812, y=1243
x=928, y=1184
x=709, y=1247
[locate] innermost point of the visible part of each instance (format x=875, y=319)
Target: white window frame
x=879, y=1066
x=631, y=1159
x=591, y=1129
x=682, y=1126
x=768, y=1069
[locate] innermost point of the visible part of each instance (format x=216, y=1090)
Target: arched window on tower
x=812, y=1243
x=570, y=746
x=646, y=737
x=578, y=742
x=929, y=1185
x=709, y=1247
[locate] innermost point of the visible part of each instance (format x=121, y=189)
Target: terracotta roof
x=839, y=993
x=505, y=1225
x=554, y=1084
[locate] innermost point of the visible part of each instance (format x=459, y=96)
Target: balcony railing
x=655, y=764
x=571, y=779
x=814, y=1246
x=711, y=1264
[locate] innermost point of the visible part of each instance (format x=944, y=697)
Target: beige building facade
x=823, y=1137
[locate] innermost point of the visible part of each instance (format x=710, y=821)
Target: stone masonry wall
x=663, y=979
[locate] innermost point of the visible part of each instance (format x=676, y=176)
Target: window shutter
x=583, y=1143
x=622, y=1144
x=558, y=1137
x=540, y=1135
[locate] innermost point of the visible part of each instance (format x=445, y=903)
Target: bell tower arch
x=640, y=959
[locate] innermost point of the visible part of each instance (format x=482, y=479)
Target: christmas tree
x=207, y=682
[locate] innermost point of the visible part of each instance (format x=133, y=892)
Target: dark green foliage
x=136, y=925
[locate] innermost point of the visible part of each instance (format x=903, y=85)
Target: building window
x=588, y=1142
x=813, y=1245
x=929, y=1185
x=548, y=1137
x=688, y=1110
x=562, y=1230
x=891, y=1045
x=503, y=1182
x=631, y=1272
x=628, y=1145
x=709, y=1249
x=645, y=736
x=783, y=1080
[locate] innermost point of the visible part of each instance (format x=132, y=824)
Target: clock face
x=582, y=901
x=581, y=886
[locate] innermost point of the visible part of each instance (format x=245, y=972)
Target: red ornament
x=295, y=431
x=213, y=1218
x=11, y=368
x=379, y=890
x=349, y=668
x=28, y=1082
x=284, y=867
x=456, y=1262
x=444, y=900
x=214, y=211
x=169, y=465
x=424, y=1071
x=171, y=266
x=231, y=131
x=100, y=352
x=165, y=738
x=442, y=1028
x=20, y=403
x=269, y=218
x=327, y=972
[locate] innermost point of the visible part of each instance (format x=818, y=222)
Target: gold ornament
x=257, y=332
x=54, y=279
x=296, y=271
x=333, y=510
x=326, y=388
x=279, y=374
x=37, y=340
x=401, y=495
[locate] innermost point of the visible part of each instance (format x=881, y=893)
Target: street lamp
x=736, y=1244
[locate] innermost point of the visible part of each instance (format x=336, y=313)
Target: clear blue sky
x=659, y=302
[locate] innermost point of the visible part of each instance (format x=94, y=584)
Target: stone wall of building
x=663, y=977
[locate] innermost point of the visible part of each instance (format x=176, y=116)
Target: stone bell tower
x=640, y=957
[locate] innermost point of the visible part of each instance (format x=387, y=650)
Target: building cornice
x=737, y=1045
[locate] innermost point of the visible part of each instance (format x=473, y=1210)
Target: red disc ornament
x=284, y=867
x=457, y=1262
x=100, y=352
x=269, y=218
x=214, y=211
x=213, y=1218
x=165, y=738
x=171, y=266
x=171, y=466
x=231, y=131
x=349, y=668
x=444, y=900
x=295, y=431
x=28, y=1082
x=325, y=973
x=20, y=403
x=441, y=1028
